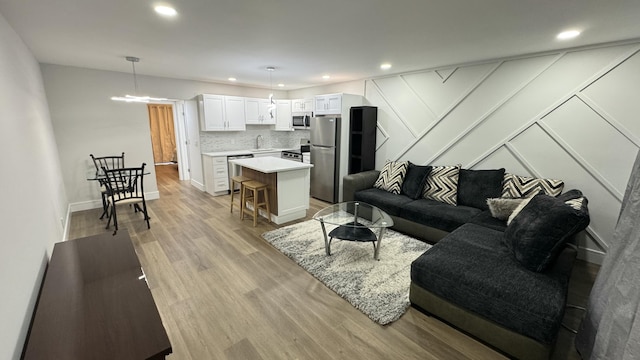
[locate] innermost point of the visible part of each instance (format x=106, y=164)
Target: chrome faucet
x=258, y=138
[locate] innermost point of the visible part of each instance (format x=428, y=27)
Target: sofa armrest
x=356, y=182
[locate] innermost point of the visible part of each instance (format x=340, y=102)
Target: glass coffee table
x=355, y=221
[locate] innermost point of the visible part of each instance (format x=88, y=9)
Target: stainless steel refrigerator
x=325, y=135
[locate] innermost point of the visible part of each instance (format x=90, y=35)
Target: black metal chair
x=125, y=186
x=108, y=162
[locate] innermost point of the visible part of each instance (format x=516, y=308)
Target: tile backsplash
x=211, y=141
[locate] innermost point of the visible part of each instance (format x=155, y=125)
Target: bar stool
x=237, y=180
x=255, y=187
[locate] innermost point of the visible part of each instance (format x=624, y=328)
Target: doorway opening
x=163, y=137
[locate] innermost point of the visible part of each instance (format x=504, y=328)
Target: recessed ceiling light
x=232, y=79
x=165, y=10
x=326, y=77
x=385, y=66
x=566, y=35
x=280, y=85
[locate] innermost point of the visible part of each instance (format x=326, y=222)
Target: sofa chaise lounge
x=504, y=282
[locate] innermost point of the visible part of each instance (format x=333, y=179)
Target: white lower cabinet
x=216, y=175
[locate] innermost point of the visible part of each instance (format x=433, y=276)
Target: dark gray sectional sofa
x=505, y=285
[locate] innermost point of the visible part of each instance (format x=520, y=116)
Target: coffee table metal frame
x=354, y=228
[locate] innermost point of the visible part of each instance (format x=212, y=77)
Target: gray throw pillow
x=501, y=208
x=414, y=180
x=537, y=235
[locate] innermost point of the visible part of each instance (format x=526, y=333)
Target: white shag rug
x=380, y=289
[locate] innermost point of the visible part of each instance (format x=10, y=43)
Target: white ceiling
x=305, y=39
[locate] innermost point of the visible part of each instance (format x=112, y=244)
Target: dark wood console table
x=95, y=304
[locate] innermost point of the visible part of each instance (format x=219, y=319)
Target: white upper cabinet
x=330, y=104
x=284, y=120
x=257, y=112
x=234, y=113
x=302, y=105
x=221, y=113
x=211, y=112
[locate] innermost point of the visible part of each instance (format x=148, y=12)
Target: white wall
x=34, y=204
x=351, y=87
x=570, y=115
x=86, y=120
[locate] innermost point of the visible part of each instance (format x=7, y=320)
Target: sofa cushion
x=476, y=186
x=414, y=180
x=442, y=184
x=473, y=269
x=437, y=214
x=392, y=176
x=516, y=186
x=538, y=233
x=390, y=203
x=486, y=219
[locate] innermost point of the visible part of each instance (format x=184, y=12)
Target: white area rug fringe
x=380, y=289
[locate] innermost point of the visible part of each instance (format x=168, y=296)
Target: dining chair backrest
x=108, y=162
x=125, y=184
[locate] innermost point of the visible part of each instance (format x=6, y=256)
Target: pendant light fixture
x=272, y=103
x=135, y=98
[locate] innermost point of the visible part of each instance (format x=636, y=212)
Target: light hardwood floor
x=225, y=293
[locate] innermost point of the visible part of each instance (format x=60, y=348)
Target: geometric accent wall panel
x=390, y=124
x=406, y=104
x=617, y=93
x=547, y=158
x=607, y=153
x=572, y=115
x=486, y=116
x=440, y=95
x=503, y=158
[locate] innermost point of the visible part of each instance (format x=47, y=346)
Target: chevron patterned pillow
x=516, y=186
x=442, y=184
x=392, y=176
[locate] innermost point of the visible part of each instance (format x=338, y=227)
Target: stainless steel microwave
x=301, y=121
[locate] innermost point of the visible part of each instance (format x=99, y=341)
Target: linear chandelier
x=135, y=98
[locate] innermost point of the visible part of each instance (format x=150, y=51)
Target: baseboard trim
x=96, y=204
x=85, y=205
x=591, y=255
x=197, y=185
x=67, y=221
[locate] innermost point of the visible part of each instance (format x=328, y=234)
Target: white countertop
x=270, y=164
x=245, y=152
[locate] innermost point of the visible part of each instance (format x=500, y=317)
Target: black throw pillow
x=570, y=195
x=539, y=232
x=476, y=186
x=414, y=180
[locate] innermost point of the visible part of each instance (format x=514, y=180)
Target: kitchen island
x=288, y=183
